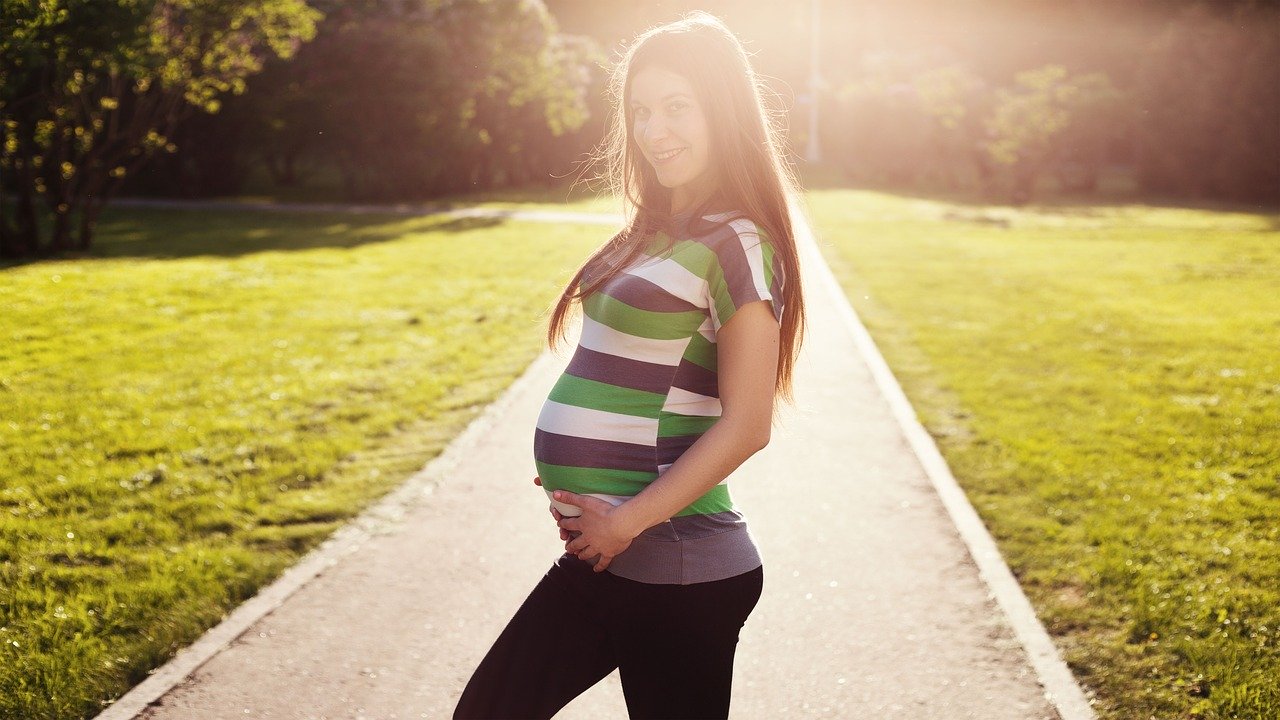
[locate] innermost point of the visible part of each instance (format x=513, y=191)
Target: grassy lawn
x=187, y=411
x=1105, y=383
x=565, y=194
x=210, y=394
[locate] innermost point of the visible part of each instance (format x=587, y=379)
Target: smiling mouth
x=665, y=156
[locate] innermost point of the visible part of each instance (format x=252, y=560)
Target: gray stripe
x=654, y=557
x=693, y=548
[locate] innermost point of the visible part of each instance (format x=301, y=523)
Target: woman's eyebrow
x=674, y=94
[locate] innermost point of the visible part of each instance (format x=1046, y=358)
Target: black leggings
x=672, y=644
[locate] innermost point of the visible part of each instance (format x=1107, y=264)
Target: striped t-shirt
x=641, y=387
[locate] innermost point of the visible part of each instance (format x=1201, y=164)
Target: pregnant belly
x=589, y=451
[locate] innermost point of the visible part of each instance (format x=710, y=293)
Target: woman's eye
x=676, y=106
x=642, y=113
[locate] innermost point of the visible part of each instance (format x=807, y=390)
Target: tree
x=414, y=100
x=1206, y=91
x=1044, y=121
x=90, y=88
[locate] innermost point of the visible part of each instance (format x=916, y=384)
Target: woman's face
x=671, y=130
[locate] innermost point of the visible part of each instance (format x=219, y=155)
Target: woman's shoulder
x=730, y=226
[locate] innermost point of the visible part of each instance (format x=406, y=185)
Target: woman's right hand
x=565, y=536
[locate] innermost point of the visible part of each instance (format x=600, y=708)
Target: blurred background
x=410, y=100
x=395, y=100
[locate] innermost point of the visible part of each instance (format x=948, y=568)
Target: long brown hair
x=746, y=151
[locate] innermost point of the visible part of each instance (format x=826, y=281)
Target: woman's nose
x=654, y=130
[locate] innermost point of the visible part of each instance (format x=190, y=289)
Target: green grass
x=326, y=187
x=187, y=410
x=1105, y=384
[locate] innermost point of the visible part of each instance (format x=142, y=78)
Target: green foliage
x=945, y=126
x=1049, y=117
x=1183, y=94
x=207, y=48
x=415, y=103
x=904, y=123
x=89, y=89
x=1028, y=118
x=1209, y=106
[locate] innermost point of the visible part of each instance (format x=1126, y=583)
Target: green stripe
x=701, y=352
x=694, y=256
x=593, y=480
x=658, y=245
x=595, y=395
x=624, y=482
x=717, y=500
x=641, y=323
x=673, y=425
x=767, y=251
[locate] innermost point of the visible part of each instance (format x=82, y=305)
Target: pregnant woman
x=684, y=347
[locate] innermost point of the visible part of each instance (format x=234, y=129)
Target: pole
x=814, y=154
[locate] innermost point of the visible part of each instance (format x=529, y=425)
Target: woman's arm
x=747, y=364
x=747, y=367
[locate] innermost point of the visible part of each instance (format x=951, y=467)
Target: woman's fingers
x=537, y=480
x=564, y=534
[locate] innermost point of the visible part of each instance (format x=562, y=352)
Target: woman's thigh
x=555, y=647
x=676, y=645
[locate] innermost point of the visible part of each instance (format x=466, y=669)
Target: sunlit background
x=1014, y=99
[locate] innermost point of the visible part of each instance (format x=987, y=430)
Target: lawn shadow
x=170, y=233
x=1061, y=203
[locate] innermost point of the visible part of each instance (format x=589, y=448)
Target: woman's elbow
x=751, y=433
x=759, y=438
x=764, y=441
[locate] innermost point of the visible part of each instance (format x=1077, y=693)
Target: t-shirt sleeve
x=744, y=269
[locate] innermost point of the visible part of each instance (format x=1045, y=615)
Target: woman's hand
x=564, y=534
x=599, y=534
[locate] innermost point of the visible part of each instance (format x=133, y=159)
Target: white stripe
x=676, y=279
x=583, y=422
x=602, y=338
x=751, y=243
x=611, y=499
x=717, y=217
x=708, y=329
x=575, y=511
x=715, y=316
x=683, y=402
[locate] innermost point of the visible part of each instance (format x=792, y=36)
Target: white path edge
x=1060, y=686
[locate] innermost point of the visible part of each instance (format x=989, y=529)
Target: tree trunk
x=88, y=223
x=91, y=206
x=28, y=223
x=61, y=239
x=8, y=233
x=1025, y=172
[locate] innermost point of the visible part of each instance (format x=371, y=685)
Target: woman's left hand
x=600, y=529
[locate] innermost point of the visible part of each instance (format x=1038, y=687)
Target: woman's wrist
x=631, y=519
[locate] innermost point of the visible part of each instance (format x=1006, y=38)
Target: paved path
x=873, y=606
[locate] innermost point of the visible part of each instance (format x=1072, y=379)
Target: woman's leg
x=676, y=651
x=555, y=647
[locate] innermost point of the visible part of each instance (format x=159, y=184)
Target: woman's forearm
x=720, y=450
